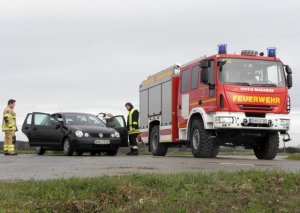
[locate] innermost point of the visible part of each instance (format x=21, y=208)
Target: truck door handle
x=179, y=107
x=34, y=128
x=26, y=128
x=200, y=102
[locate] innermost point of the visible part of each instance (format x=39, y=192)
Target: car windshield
x=82, y=120
x=249, y=72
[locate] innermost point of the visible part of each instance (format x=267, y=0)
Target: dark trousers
x=132, y=141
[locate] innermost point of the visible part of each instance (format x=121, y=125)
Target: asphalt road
x=30, y=166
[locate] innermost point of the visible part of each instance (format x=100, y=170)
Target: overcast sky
x=91, y=55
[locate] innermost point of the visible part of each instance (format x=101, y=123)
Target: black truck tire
x=40, y=150
x=157, y=148
x=267, y=149
x=203, y=143
x=67, y=147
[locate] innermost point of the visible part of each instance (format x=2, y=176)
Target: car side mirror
x=290, y=81
x=204, y=76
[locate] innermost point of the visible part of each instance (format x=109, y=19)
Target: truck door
x=208, y=85
x=119, y=124
x=184, y=98
x=44, y=130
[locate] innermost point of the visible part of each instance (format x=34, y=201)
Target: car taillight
x=288, y=104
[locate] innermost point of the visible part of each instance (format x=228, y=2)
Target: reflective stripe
x=5, y=147
x=134, y=147
x=135, y=123
x=11, y=148
x=8, y=115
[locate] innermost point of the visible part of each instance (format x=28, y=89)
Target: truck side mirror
x=288, y=69
x=204, y=76
x=290, y=81
x=205, y=64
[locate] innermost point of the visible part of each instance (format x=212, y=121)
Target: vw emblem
x=100, y=135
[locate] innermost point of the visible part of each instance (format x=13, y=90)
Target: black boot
x=134, y=152
x=129, y=153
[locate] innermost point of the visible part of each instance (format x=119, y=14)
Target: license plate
x=101, y=142
x=258, y=121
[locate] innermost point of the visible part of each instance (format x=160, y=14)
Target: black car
x=75, y=132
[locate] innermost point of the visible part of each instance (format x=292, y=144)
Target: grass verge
x=295, y=156
x=251, y=191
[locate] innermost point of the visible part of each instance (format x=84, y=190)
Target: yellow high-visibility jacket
x=9, y=120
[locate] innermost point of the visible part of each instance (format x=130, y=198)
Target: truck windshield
x=249, y=72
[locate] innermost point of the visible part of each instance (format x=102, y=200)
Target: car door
x=44, y=130
x=118, y=123
x=26, y=127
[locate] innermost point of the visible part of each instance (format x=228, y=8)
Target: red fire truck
x=220, y=100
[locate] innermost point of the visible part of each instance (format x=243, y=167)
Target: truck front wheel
x=203, y=143
x=268, y=147
x=157, y=148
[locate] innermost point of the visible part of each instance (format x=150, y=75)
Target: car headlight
x=224, y=119
x=79, y=133
x=117, y=135
x=86, y=135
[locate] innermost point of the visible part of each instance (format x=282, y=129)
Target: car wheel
x=93, y=153
x=67, y=148
x=40, y=150
x=112, y=152
x=79, y=153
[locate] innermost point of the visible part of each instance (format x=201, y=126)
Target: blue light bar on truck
x=222, y=48
x=272, y=52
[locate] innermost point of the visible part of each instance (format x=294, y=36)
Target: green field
x=295, y=156
x=188, y=192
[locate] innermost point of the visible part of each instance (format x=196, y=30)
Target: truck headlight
x=285, y=122
x=79, y=133
x=86, y=135
x=224, y=119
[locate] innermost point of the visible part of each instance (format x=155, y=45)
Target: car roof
x=81, y=113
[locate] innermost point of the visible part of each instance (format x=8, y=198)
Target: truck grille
x=255, y=107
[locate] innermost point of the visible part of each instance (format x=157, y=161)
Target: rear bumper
x=88, y=144
x=238, y=120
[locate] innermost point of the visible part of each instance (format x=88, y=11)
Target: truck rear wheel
x=157, y=148
x=267, y=149
x=203, y=144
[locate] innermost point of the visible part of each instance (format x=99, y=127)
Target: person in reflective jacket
x=9, y=126
x=133, y=128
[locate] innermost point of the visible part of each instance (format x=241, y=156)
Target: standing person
x=133, y=128
x=9, y=126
